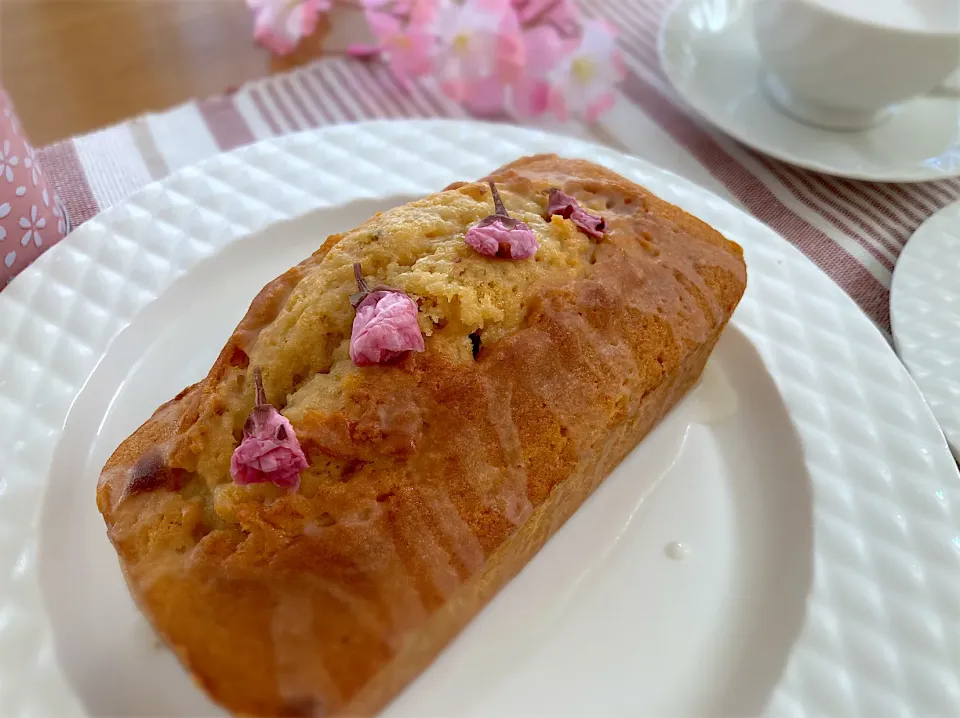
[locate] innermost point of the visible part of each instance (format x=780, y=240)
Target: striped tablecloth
x=852, y=230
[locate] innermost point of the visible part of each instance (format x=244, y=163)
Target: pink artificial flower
x=269, y=450
x=385, y=325
x=279, y=25
x=398, y=8
x=500, y=235
x=544, y=48
x=593, y=225
x=404, y=36
x=560, y=15
x=583, y=83
x=485, y=97
x=480, y=51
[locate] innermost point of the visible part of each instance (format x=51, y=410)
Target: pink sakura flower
x=500, y=235
x=593, y=225
x=399, y=8
x=479, y=52
x=279, y=25
x=544, y=48
x=548, y=26
x=385, y=325
x=407, y=44
x=269, y=450
x=562, y=15
x=583, y=82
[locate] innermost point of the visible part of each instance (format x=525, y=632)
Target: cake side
x=433, y=480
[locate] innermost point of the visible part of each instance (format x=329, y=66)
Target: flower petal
x=531, y=97
x=363, y=52
x=597, y=108
x=544, y=49
x=485, y=97
x=384, y=327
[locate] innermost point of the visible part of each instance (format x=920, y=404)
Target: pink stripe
x=317, y=105
x=805, y=183
x=924, y=192
x=362, y=77
x=641, y=21
x=909, y=194
x=386, y=86
x=645, y=57
x=387, y=79
x=884, y=218
x=369, y=71
x=271, y=88
x=939, y=191
x=900, y=204
x=414, y=92
x=264, y=112
x=434, y=107
x=643, y=49
x=833, y=259
x=330, y=92
x=311, y=117
x=225, y=122
x=832, y=218
x=787, y=176
x=880, y=210
x=951, y=189
x=63, y=169
x=433, y=95
x=358, y=95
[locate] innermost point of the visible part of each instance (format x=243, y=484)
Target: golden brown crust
x=448, y=475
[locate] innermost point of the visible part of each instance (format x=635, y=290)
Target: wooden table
x=72, y=66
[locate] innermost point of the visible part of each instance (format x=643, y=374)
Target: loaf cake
x=401, y=421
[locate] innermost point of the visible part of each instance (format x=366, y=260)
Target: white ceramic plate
x=709, y=54
x=815, y=496
x=925, y=314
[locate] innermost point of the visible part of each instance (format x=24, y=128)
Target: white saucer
x=709, y=54
x=925, y=314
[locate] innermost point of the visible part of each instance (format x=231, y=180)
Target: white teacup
x=844, y=64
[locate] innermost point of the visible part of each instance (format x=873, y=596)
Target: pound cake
x=401, y=421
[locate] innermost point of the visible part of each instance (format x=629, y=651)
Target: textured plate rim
x=56, y=697
x=679, y=85
x=898, y=294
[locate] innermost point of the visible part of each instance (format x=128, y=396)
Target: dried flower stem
x=261, y=399
x=500, y=210
x=361, y=282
